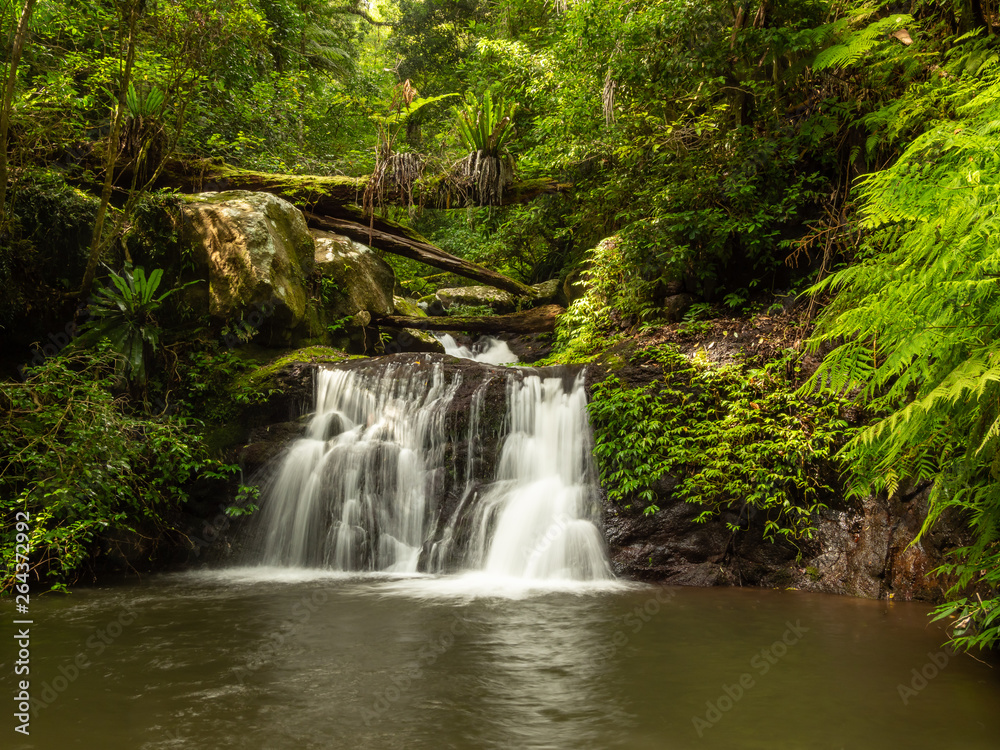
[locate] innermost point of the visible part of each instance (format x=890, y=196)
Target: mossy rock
x=254, y=253
x=499, y=301
x=357, y=280
x=409, y=307
x=265, y=376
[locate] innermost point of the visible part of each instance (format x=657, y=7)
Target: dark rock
x=676, y=305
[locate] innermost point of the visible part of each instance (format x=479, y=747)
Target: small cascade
x=486, y=349
x=536, y=521
x=355, y=493
x=390, y=477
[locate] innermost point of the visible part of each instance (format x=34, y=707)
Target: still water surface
x=243, y=659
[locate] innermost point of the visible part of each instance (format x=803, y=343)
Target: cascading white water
x=487, y=350
x=354, y=494
x=537, y=520
x=363, y=489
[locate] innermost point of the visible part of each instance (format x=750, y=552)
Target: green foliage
x=917, y=323
x=469, y=311
x=731, y=439
x=486, y=125
x=85, y=468
x=125, y=315
x=209, y=382
x=144, y=107
x=615, y=297
x=853, y=46
x=44, y=249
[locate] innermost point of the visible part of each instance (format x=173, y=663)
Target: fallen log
x=539, y=320
x=420, y=250
x=328, y=195
x=330, y=203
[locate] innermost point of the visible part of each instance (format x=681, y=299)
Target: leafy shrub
x=83, y=467
x=734, y=439
x=915, y=325
x=614, y=296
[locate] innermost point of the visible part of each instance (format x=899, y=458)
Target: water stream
x=362, y=490
x=486, y=349
x=375, y=616
x=308, y=659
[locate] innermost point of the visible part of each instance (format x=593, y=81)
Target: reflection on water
x=313, y=660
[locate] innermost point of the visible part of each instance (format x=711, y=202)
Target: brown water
x=238, y=660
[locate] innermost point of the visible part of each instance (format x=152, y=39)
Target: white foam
x=488, y=350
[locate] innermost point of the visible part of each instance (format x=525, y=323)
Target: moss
x=220, y=438
x=263, y=377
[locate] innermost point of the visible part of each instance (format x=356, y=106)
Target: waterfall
x=486, y=349
x=380, y=481
x=536, y=521
x=354, y=494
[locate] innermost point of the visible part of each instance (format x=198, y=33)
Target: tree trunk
x=539, y=320
x=129, y=24
x=329, y=196
x=8, y=100
x=412, y=246
x=332, y=203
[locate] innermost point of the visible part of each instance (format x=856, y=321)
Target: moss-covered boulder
x=408, y=307
x=254, y=253
x=353, y=277
x=410, y=340
x=550, y=293
x=499, y=301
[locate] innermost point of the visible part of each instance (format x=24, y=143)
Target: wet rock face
x=863, y=550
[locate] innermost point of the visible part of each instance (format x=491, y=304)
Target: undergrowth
x=732, y=439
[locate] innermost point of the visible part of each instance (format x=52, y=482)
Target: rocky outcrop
x=864, y=550
x=550, y=293
x=497, y=300
x=357, y=279
x=408, y=307
x=254, y=255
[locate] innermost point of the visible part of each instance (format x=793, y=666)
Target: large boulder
x=499, y=301
x=550, y=293
x=255, y=253
x=354, y=277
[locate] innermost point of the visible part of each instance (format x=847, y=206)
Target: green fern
x=918, y=321
x=855, y=45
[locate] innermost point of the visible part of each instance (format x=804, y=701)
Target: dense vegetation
x=728, y=151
